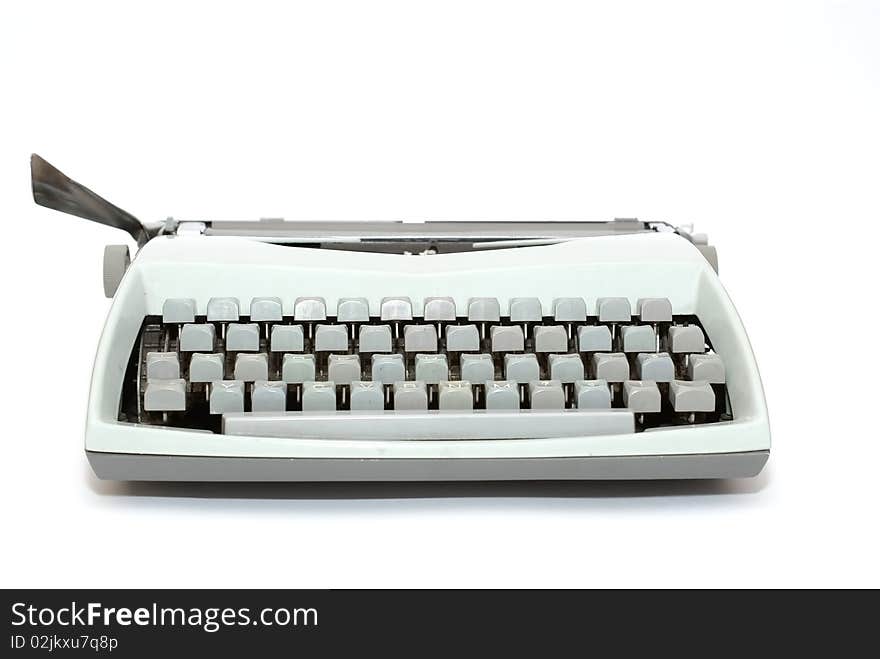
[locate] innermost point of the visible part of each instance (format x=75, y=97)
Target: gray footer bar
x=141, y=467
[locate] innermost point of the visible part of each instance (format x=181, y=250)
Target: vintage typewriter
x=307, y=351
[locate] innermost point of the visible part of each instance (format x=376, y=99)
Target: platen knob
x=116, y=262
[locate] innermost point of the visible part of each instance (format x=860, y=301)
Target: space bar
x=430, y=425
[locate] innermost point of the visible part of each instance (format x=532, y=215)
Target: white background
x=756, y=121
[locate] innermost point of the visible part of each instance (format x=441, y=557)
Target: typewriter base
x=140, y=467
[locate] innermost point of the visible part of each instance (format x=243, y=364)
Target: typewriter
x=388, y=351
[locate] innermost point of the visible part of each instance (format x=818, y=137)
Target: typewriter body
x=298, y=351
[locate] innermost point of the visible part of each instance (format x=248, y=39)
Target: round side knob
x=116, y=262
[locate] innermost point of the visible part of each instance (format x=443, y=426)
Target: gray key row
x=271, y=396
x=435, y=368
x=245, y=337
x=440, y=309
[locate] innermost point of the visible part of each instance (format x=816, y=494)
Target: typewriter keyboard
x=188, y=369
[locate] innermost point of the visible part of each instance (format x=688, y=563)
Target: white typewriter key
x=287, y=338
x=691, y=396
x=243, y=337
x=484, y=309
x=502, y=395
x=205, y=368
x=477, y=368
x=462, y=338
x=546, y=395
x=374, y=338
x=165, y=396
x=309, y=309
x=197, y=338
x=223, y=309
x=396, y=308
x=525, y=310
x=569, y=309
x=456, y=396
x=610, y=366
x=686, y=338
x=655, y=366
x=641, y=397
x=420, y=338
x=521, y=368
x=613, y=310
x=550, y=338
x=706, y=367
x=319, y=397
x=353, y=310
x=268, y=396
x=179, y=310
x=331, y=338
x=227, y=396
x=566, y=368
x=654, y=310
x=343, y=369
x=298, y=368
x=439, y=308
x=432, y=369
x=251, y=367
x=366, y=396
x=638, y=338
x=592, y=394
x=410, y=396
x=594, y=338
x=266, y=309
x=162, y=366
x=507, y=338
x=388, y=369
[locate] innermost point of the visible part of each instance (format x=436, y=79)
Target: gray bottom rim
x=143, y=467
